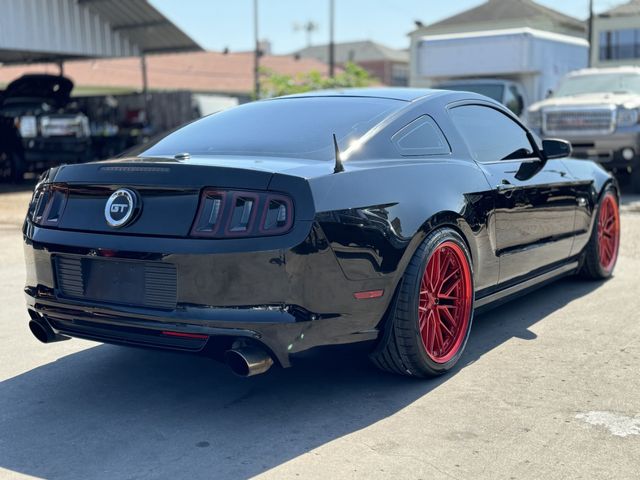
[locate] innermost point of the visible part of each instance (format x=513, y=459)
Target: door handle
x=505, y=185
x=506, y=188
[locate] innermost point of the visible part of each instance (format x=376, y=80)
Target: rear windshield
x=491, y=90
x=289, y=127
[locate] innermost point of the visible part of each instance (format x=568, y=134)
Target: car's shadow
x=110, y=412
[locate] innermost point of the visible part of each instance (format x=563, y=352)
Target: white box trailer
x=533, y=60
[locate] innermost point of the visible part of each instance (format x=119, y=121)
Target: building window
x=620, y=44
x=399, y=75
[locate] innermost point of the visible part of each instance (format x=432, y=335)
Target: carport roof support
x=57, y=30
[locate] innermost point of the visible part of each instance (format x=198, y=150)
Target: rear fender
x=445, y=219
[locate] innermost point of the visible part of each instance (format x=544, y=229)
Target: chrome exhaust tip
x=43, y=332
x=248, y=361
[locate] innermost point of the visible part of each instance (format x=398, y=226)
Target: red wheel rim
x=444, y=306
x=608, y=232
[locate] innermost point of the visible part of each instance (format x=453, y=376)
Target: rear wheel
x=602, y=250
x=429, y=322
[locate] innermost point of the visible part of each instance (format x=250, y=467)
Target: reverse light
x=235, y=213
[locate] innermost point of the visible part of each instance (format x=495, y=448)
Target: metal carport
x=54, y=31
x=58, y=30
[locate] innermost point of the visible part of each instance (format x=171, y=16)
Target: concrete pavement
x=548, y=388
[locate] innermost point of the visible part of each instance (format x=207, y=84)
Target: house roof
x=361, y=51
x=205, y=72
x=495, y=10
x=630, y=8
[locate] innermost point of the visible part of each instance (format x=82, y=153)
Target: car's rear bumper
x=288, y=300
x=280, y=329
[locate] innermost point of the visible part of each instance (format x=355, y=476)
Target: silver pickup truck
x=598, y=111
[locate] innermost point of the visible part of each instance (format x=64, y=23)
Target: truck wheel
x=635, y=179
x=602, y=250
x=17, y=168
x=10, y=167
x=430, y=319
x=5, y=166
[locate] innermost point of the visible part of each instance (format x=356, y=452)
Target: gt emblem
x=121, y=207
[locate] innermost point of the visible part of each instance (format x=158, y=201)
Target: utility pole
x=590, y=33
x=257, y=53
x=145, y=87
x=332, y=46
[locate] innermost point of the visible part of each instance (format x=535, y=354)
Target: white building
x=616, y=36
x=495, y=15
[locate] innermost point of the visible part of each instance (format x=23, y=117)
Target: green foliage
x=274, y=84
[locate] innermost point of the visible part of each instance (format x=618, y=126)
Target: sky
x=219, y=24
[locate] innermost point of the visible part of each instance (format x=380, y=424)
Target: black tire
x=635, y=178
x=401, y=349
x=11, y=167
x=5, y=166
x=593, y=267
x=18, y=169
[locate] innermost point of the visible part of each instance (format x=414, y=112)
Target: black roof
x=398, y=93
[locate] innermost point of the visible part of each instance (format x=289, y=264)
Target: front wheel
x=601, y=254
x=429, y=322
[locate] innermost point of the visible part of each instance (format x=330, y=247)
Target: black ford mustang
x=323, y=218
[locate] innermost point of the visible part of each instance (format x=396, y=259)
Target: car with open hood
x=49, y=129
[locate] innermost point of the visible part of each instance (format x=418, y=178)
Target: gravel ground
x=548, y=388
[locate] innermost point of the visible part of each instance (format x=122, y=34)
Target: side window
x=421, y=137
x=491, y=135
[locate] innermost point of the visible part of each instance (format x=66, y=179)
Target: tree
x=276, y=84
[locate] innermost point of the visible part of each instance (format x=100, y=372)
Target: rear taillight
x=234, y=213
x=47, y=205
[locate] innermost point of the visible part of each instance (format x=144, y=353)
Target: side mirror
x=554, y=148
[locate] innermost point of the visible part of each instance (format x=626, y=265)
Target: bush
x=274, y=84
